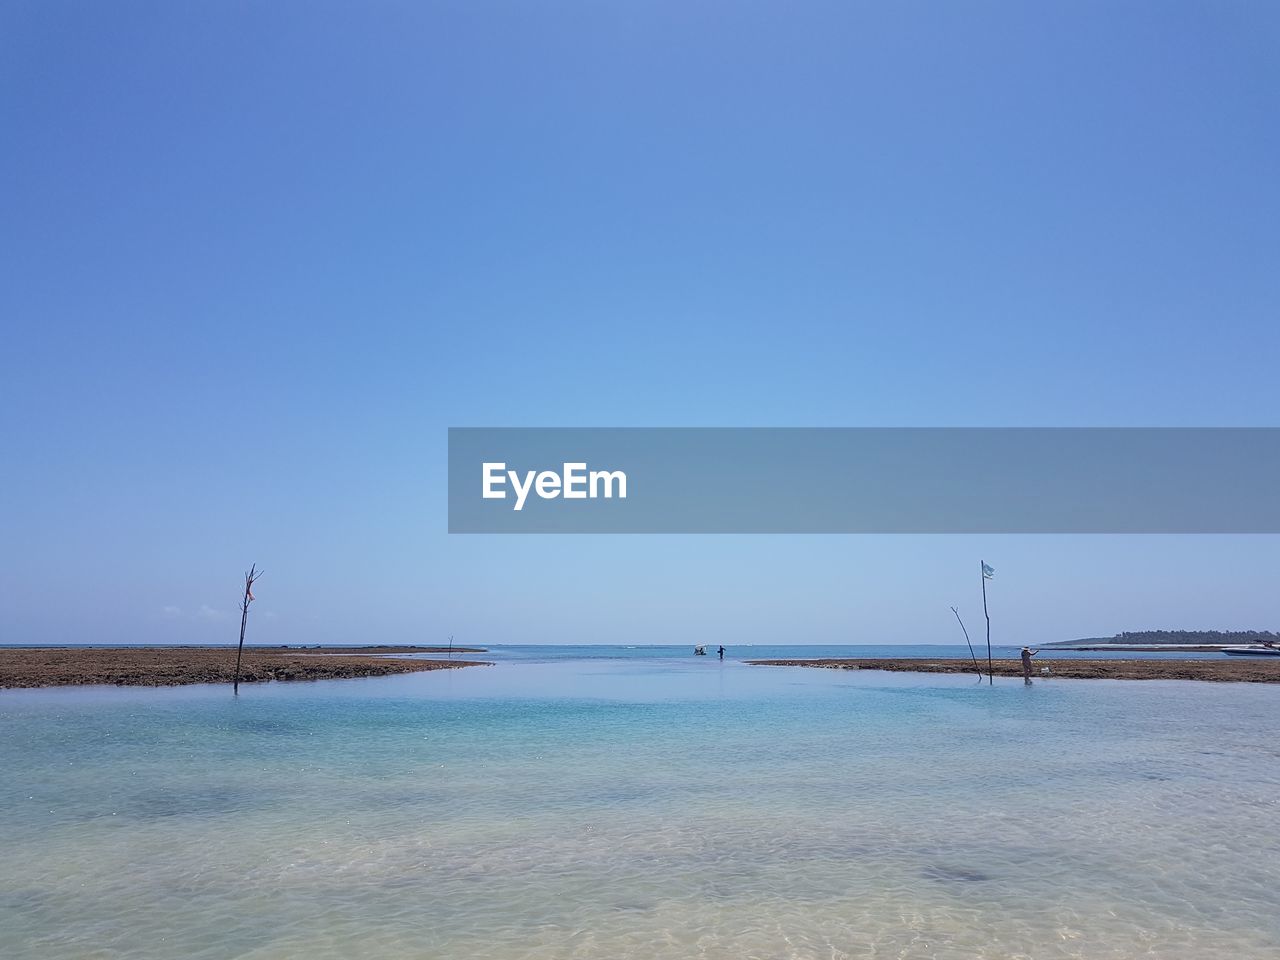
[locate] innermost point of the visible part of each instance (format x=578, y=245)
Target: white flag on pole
x=987, y=571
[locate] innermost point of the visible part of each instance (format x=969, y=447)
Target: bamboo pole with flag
x=987, y=573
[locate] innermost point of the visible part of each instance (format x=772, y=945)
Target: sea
x=570, y=802
x=793, y=651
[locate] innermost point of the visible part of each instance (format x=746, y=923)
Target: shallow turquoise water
x=664, y=808
x=542, y=652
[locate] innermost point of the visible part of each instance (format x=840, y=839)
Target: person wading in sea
x=1027, y=654
x=722, y=651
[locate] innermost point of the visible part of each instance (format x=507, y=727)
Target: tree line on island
x=1201, y=637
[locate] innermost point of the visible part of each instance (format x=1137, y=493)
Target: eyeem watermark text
x=574, y=482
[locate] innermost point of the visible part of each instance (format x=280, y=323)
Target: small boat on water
x=1253, y=650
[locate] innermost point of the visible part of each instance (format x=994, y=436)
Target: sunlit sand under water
x=654, y=809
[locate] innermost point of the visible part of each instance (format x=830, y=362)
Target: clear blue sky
x=256, y=258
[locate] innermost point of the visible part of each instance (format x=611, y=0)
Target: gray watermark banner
x=864, y=480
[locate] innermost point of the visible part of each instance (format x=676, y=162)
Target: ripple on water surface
x=545, y=810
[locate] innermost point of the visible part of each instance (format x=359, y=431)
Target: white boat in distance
x=1253, y=650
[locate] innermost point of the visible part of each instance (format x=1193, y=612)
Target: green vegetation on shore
x=1196, y=637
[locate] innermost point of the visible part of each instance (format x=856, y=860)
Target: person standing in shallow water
x=1027, y=654
x=722, y=651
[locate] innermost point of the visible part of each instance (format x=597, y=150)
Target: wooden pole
x=983, y=574
x=972, y=655
x=250, y=576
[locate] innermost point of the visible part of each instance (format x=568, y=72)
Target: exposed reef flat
x=1241, y=670
x=170, y=666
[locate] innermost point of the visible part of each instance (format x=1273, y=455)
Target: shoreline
x=1261, y=670
x=30, y=667
x=1143, y=648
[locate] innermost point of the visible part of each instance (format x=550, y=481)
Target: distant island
x=1167, y=638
